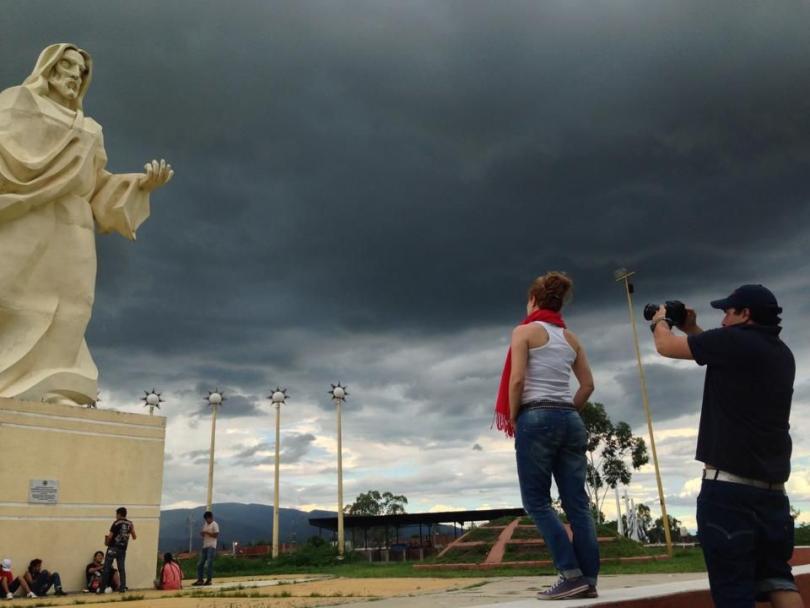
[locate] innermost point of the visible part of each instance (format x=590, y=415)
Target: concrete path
x=618, y=595
x=521, y=591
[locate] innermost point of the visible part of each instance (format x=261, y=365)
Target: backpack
x=95, y=582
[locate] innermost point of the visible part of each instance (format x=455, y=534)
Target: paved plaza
x=310, y=591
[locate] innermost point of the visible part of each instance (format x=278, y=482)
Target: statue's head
x=62, y=73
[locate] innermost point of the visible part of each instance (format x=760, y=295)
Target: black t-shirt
x=121, y=530
x=746, y=401
x=88, y=574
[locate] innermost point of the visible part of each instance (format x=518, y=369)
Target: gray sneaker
x=590, y=592
x=565, y=588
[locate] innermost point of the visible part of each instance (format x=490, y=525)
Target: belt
x=547, y=404
x=718, y=475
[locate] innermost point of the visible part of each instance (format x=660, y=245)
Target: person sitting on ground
x=93, y=573
x=9, y=584
x=171, y=576
x=40, y=580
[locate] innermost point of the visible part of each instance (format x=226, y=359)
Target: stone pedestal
x=100, y=460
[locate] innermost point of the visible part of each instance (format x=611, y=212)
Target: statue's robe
x=53, y=191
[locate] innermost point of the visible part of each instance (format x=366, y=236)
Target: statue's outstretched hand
x=157, y=174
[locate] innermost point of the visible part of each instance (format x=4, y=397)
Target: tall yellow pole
x=338, y=402
x=625, y=276
x=275, y=486
x=211, y=458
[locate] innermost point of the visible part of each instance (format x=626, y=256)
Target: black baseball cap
x=755, y=297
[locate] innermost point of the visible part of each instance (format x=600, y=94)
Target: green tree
x=656, y=534
x=610, y=446
x=375, y=502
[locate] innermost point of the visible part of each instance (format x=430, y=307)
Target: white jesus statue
x=54, y=190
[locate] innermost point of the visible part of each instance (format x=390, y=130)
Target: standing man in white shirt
x=209, y=533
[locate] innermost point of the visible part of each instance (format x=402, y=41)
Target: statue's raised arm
x=54, y=191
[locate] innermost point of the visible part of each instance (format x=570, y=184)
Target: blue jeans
x=746, y=534
x=43, y=582
x=553, y=442
x=207, y=554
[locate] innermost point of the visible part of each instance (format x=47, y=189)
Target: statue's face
x=65, y=80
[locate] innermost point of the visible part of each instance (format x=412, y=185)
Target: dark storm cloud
x=251, y=451
x=672, y=392
x=404, y=169
x=234, y=406
x=294, y=446
x=402, y=157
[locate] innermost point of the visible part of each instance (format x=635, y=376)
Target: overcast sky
x=364, y=191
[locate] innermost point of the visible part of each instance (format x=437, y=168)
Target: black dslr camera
x=676, y=311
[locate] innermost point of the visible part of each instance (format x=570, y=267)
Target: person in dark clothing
x=93, y=573
x=40, y=581
x=743, y=514
x=117, y=540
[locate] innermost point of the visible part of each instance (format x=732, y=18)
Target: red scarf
x=502, y=402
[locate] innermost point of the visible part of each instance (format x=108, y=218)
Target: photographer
x=743, y=513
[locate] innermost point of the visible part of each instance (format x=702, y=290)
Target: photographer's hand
x=690, y=326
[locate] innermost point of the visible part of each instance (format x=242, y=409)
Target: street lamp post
x=622, y=274
x=152, y=400
x=214, y=399
x=339, y=394
x=279, y=398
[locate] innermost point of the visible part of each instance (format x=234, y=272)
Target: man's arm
x=132, y=531
x=520, y=357
x=668, y=344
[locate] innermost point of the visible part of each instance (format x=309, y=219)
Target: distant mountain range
x=244, y=523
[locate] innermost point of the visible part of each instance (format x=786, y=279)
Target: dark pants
x=120, y=557
x=206, y=555
x=44, y=580
x=41, y=584
x=747, y=538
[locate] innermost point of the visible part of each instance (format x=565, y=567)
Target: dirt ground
x=275, y=592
